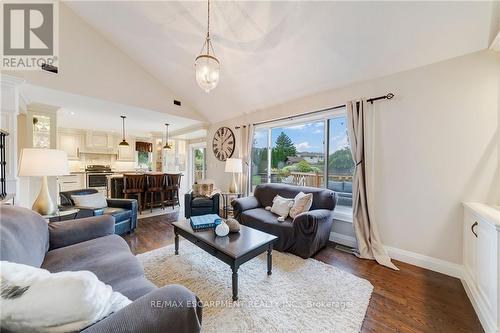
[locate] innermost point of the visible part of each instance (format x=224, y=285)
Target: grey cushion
x=261, y=219
x=336, y=186
x=24, y=236
x=156, y=312
x=201, y=202
x=109, y=258
x=348, y=187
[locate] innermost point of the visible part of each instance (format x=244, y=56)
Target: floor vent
x=344, y=248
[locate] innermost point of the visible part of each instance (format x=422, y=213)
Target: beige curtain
x=246, y=135
x=365, y=228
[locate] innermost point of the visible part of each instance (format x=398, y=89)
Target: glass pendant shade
x=207, y=71
x=167, y=145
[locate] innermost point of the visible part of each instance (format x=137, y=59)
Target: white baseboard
x=420, y=260
x=436, y=265
x=343, y=239
x=478, y=304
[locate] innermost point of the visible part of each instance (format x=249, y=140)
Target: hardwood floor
x=410, y=300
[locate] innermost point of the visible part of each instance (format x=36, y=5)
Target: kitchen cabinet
x=99, y=142
x=481, y=259
x=71, y=143
x=71, y=182
x=127, y=153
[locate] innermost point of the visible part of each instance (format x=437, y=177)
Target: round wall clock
x=223, y=143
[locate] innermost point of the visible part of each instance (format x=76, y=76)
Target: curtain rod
x=370, y=100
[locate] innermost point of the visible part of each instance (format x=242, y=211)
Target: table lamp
x=233, y=165
x=41, y=162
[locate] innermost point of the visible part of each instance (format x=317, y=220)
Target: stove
x=97, y=177
x=98, y=168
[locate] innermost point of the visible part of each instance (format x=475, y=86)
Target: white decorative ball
x=222, y=229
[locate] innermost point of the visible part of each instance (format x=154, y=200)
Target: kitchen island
x=115, y=182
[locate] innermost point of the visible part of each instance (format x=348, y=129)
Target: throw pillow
x=301, y=203
x=281, y=206
x=202, y=190
x=96, y=200
x=35, y=300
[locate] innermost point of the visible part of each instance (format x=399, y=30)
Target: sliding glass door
x=306, y=152
x=340, y=164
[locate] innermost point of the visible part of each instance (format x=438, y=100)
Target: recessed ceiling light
x=72, y=113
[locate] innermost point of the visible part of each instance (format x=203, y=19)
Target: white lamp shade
x=234, y=165
x=43, y=162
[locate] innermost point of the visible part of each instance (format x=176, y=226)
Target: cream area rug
x=300, y=295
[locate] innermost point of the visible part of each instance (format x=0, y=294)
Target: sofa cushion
x=66, y=196
x=24, y=236
x=336, y=186
x=107, y=257
x=348, y=187
x=261, y=219
x=202, y=202
x=95, y=200
x=281, y=206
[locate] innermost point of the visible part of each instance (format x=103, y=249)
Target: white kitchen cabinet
x=74, y=181
x=126, y=153
x=71, y=143
x=99, y=142
x=481, y=258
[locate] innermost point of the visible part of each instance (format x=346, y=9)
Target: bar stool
x=133, y=185
x=173, y=184
x=154, y=185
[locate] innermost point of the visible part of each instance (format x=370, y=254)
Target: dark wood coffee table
x=234, y=249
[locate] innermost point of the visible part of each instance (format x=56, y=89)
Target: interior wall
x=90, y=65
x=436, y=145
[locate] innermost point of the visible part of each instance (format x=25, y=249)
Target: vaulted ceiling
x=271, y=52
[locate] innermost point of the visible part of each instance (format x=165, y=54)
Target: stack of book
x=204, y=222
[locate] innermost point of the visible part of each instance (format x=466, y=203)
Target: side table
x=56, y=217
x=227, y=197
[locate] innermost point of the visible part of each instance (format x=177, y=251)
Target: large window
x=307, y=152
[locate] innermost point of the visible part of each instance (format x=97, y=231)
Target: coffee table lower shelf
x=234, y=261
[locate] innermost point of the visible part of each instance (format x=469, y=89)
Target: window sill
x=344, y=215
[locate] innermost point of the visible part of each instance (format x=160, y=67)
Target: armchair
x=194, y=206
x=123, y=210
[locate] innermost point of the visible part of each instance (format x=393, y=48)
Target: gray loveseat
x=90, y=244
x=303, y=236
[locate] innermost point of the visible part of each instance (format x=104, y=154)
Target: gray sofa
x=303, y=236
x=90, y=244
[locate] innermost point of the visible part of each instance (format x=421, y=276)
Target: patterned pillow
x=302, y=203
x=202, y=190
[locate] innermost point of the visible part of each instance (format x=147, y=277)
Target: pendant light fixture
x=167, y=145
x=123, y=143
x=206, y=65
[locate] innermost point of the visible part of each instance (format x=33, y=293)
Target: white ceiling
x=87, y=113
x=271, y=52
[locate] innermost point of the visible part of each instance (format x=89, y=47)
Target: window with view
x=312, y=152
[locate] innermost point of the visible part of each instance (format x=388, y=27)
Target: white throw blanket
x=35, y=300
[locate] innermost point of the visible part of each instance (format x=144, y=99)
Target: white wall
x=90, y=65
x=436, y=145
